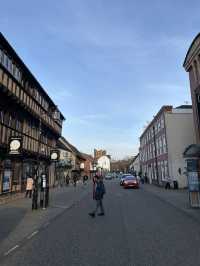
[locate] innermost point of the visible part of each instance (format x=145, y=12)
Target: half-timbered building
x=26, y=111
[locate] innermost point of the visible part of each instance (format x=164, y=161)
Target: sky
x=108, y=64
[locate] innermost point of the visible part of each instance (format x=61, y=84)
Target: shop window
x=16, y=176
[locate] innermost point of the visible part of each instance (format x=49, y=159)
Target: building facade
x=135, y=165
x=72, y=161
x=103, y=164
x=88, y=164
x=192, y=66
x=99, y=153
x=66, y=162
x=162, y=145
x=27, y=112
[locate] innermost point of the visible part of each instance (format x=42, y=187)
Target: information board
x=193, y=181
x=6, y=180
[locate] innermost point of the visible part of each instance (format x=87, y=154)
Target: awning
x=192, y=151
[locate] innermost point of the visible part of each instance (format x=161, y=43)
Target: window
x=5, y=61
x=1, y=75
x=159, y=125
x=164, y=144
x=1, y=56
x=18, y=125
x=160, y=141
x=157, y=146
x=5, y=80
x=163, y=170
x=162, y=122
x=9, y=65
x=2, y=116
x=196, y=71
x=10, y=121
x=166, y=169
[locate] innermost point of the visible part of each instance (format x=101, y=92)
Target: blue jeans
x=99, y=204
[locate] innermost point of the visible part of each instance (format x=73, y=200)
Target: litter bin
x=175, y=184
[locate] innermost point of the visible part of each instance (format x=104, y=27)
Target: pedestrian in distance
x=75, y=180
x=98, y=194
x=145, y=178
x=141, y=177
x=67, y=180
x=29, y=186
x=85, y=178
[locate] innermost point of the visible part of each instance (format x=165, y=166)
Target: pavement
x=142, y=227
x=19, y=222
x=178, y=199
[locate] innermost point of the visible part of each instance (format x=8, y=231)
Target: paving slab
x=179, y=199
x=19, y=222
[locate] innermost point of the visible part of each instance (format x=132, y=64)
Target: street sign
x=15, y=145
x=55, y=154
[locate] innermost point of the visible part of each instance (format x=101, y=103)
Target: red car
x=131, y=182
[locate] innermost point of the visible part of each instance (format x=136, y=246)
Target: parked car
x=123, y=177
x=131, y=182
x=108, y=177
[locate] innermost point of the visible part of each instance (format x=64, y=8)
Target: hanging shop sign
x=55, y=154
x=15, y=145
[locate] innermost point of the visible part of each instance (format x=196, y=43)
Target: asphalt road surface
x=138, y=229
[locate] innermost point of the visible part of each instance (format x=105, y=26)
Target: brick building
x=163, y=142
x=88, y=164
x=99, y=153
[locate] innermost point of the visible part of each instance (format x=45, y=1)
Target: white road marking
x=59, y=206
x=11, y=250
x=33, y=234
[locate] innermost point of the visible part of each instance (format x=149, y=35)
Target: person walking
x=29, y=186
x=85, y=178
x=75, y=180
x=98, y=193
x=67, y=180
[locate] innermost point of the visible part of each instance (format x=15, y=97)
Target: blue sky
x=109, y=64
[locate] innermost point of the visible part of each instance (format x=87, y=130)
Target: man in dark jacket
x=98, y=193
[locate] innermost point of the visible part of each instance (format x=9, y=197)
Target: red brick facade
x=153, y=149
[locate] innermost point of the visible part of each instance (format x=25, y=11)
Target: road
x=138, y=229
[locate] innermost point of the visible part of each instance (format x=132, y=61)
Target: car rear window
x=130, y=178
x=124, y=176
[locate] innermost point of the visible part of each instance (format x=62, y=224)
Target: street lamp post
x=94, y=167
x=37, y=169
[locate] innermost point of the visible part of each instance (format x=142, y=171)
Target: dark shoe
x=92, y=214
x=101, y=214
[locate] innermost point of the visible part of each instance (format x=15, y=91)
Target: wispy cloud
x=60, y=95
x=108, y=65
